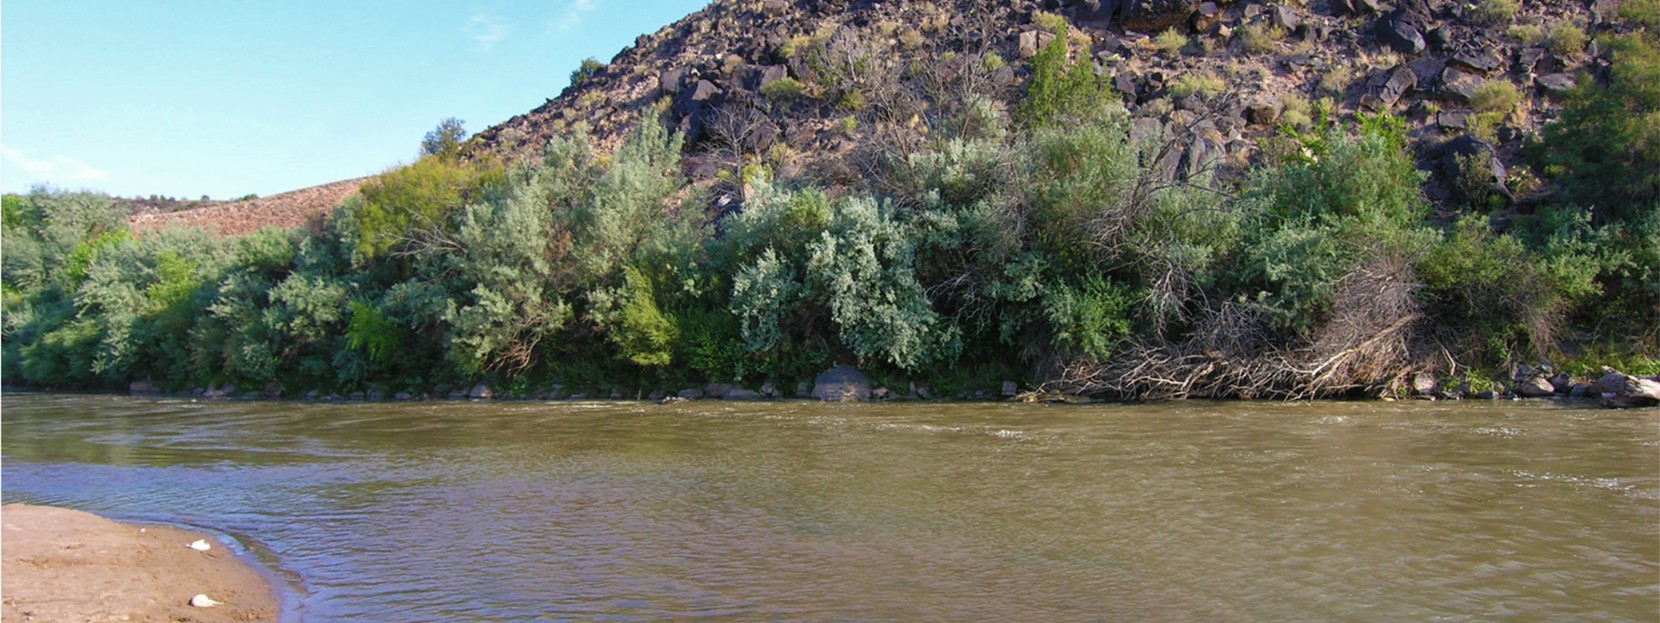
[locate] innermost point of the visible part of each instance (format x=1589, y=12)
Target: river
x=795, y=511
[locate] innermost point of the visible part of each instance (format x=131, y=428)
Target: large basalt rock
x=1455, y=153
x=1460, y=86
x=1624, y=391
x=1092, y=9
x=695, y=104
x=1401, y=32
x=1389, y=91
x=841, y=384
x=1555, y=85
x=1284, y=17
x=1535, y=387
x=1342, y=8
x=1264, y=110
x=1476, y=61
x=1154, y=16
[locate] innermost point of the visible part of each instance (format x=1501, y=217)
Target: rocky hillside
x=820, y=88
x=815, y=87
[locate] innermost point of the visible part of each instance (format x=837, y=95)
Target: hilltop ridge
x=1217, y=78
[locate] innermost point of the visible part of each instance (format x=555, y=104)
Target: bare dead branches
x=1369, y=344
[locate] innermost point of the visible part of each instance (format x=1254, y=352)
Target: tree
x=445, y=140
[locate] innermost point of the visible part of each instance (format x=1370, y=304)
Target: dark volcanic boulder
x=1092, y=9
x=1153, y=16
x=1354, y=7
x=841, y=384
x=1206, y=17
x=1264, y=110
x=1387, y=92
x=1477, y=61
x=694, y=105
x=1284, y=17
x=1490, y=174
x=1624, y=391
x=1555, y=85
x=1458, y=85
x=1453, y=119
x=1400, y=31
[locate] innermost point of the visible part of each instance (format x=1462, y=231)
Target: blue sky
x=230, y=97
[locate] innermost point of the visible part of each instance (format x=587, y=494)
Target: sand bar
x=66, y=565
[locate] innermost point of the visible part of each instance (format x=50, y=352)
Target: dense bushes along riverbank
x=1051, y=244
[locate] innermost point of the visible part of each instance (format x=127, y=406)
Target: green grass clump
x=1297, y=112
x=1258, y=38
x=1170, y=42
x=1498, y=96
x=1049, y=22
x=782, y=90
x=1567, y=39
x=1526, y=34
x=1495, y=12
x=1202, y=83
x=1641, y=12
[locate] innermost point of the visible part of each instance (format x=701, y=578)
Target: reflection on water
x=950, y=512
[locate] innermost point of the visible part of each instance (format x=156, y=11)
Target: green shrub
x=991, y=62
x=644, y=335
x=373, y=333
x=863, y=267
x=852, y=100
x=1526, y=34
x=1641, y=12
x=1567, y=39
x=1170, y=42
x=1297, y=110
x=1604, y=147
x=1083, y=184
x=1497, y=96
x=501, y=270
x=911, y=39
x=1088, y=319
x=782, y=90
x=1495, y=12
x=12, y=210
x=415, y=202
x=1258, y=38
x=1050, y=22
x=1063, y=90
x=445, y=140
x=1494, y=288
x=82, y=256
x=587, y=70
x=1311, y=222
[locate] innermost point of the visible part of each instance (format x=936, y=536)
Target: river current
x=796, y=511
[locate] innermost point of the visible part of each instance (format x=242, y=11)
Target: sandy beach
x=66, y=565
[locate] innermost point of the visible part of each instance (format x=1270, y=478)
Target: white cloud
x=53, y=169
x=572, y=17
x=485, y=30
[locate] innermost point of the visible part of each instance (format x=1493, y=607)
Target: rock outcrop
x=1623, y=391
x=841, y=384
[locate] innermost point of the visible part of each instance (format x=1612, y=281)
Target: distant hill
x=296, y=208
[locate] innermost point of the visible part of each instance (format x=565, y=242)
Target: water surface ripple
x=950, y=512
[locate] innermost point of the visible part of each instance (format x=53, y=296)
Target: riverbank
x=66, y=565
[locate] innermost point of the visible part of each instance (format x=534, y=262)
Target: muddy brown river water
x=451, y=511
